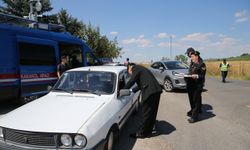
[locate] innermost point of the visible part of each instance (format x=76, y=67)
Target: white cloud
x=243, y=19
x=197, y=37
x=113, y=33
x=163, y=44
x=161, y=35
x=140, y=41
x=241, y=16
x=224, y=43
x=141, y=36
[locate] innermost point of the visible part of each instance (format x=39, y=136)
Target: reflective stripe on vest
x=224, y=67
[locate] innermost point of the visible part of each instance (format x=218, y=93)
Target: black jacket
x=145, y=81
x=200, y=69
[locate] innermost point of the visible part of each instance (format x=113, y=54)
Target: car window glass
x=82, y=81
x=121, y=82
x=175, y=65
x=161, y=65
x=155, y=65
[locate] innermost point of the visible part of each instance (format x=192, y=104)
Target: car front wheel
x=110, y=140
x=168, y=85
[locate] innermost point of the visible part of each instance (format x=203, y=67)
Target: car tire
x=168, y=85
x=110, y=140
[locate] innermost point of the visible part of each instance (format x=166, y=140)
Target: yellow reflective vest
x=224, y=67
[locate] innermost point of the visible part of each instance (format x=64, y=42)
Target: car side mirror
x=49, y=88
x=124, y=92
x=161, y=68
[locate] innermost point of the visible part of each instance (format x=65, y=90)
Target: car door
x=161, y=73
x=125, y=101
x=155, y=69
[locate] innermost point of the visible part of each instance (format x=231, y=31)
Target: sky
x=143, y=28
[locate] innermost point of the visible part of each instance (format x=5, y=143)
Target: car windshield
x=95, y=82
x=172, y=65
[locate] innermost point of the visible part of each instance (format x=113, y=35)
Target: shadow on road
x=184, y=91
x=125, y=142
x=207, y=112
x=163, y=128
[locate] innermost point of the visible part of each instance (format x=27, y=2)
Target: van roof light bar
x=19, y=21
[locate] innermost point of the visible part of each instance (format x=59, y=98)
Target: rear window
x=37, y=54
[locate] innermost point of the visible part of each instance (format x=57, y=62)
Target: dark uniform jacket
x=200, y=69
x=145, y=81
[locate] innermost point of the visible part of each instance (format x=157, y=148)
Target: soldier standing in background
x=224, y=70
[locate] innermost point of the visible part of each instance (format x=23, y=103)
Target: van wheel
x=168, y=85
x=110, y=140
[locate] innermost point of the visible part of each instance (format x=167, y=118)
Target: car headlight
x=1, y=132
x=80, y=140
x=66, y=140
x=175, y=73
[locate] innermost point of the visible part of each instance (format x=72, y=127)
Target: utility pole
x=170, y=46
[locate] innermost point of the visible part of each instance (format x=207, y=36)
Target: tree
x=101, y=45
x=181, y=58
x=71, y=24
x=164, y=58
x=21, y=8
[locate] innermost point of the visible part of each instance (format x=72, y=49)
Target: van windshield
x=96, y=82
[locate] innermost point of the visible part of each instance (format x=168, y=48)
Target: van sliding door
x=38, y=61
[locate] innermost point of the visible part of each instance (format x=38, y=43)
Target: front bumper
x=12, y=146
x=179, y=83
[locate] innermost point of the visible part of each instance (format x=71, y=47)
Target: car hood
x=53, y=113
x=185, y=71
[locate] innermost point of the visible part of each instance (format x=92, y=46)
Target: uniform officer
x=151, y=92
x=198, y=72
x=190, y=83
x=63, y=66
x=224, y=70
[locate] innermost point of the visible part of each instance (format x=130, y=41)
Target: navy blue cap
x=190, y=49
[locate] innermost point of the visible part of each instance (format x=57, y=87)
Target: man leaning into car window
x=151, y=92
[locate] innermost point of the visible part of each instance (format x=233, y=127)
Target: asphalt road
x=224, y=124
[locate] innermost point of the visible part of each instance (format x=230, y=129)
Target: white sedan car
x=84, y=110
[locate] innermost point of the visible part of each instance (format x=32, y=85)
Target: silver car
x=168, y=74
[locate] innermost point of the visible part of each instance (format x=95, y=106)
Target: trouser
x=197, y=100
x=149, y=110
x=190, y=91
x=224, y=75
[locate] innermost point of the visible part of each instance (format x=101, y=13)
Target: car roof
x=169, y=61
x=115, y=69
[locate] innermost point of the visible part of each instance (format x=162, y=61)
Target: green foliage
x=242, y=57
x=101, y=45
x=21, y=7
x=164, y=58
x=182, y=58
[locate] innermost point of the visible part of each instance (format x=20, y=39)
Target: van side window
x=74, y=52
x=91, y=60
x=37, y=54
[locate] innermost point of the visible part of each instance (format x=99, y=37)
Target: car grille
x=30, y=138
